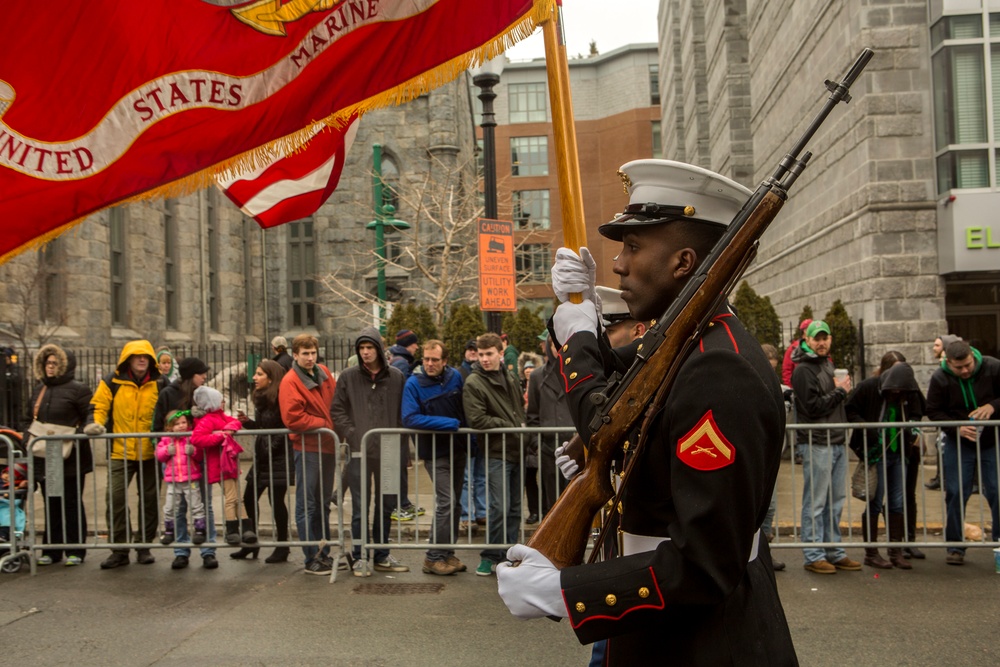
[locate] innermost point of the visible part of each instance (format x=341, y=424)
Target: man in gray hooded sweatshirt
x=369, y=396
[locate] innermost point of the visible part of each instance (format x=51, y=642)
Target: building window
x=527, y=102
x=529, y=156
x=212, y=229
x=171, y=263
x=533, y=262
x=654, y=85
x=966, y=73
x=301, y=269
x=50, y=262
x=116, y=231
x=531, y=209
x=657, y=139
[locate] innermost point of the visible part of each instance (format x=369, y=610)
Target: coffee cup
x=840, y=373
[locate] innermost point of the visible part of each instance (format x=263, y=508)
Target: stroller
x=14, y=550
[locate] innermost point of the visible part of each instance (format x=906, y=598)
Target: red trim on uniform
x=718, y=319
x=655, y=585
x=566, y=383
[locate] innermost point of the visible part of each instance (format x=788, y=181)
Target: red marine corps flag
x=103, y=101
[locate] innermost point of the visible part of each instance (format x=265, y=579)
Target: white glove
x=94, y=429
x=567, y=464
x=571, y=318
x=530, y=590
x=572, y=273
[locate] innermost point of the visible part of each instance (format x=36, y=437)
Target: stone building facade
x=195, y=270
x=869, y=221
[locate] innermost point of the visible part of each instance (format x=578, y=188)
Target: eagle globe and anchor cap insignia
x=270, y=16
x=704, y=447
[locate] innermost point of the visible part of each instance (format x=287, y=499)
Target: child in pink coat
x=213, y=435
x=181, y=474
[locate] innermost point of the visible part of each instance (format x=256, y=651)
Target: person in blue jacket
x=432, y=401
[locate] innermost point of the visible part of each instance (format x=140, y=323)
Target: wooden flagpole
x=567, y=159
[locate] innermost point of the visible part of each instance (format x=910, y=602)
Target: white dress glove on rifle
x=532, y=589
x=574, y=274
x=571, y=318
x=567, y=464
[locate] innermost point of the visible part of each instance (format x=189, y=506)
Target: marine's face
x=645, y=267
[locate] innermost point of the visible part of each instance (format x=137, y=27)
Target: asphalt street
x=249, y=613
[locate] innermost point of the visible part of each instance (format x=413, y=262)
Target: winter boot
x=895, y=526
x=279, y=555
x=168, y=532
x=199, y=532
x=872, y=557
x=248, y=536
x=232, y=532
x=245, y=553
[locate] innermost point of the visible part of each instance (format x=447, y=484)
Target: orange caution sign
x=497, y=285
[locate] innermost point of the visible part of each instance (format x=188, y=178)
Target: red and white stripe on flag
x=291, y=187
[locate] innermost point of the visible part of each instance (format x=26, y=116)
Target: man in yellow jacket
x=124, y=403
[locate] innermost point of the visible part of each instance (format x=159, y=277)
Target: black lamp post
x=485, y=78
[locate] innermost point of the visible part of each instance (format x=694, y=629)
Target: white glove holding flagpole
x=531, y=589
x=574, y=274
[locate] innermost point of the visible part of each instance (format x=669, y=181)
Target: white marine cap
x=613, y=309
x=663, y=190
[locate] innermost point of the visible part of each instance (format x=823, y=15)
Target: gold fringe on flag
x=250, y=160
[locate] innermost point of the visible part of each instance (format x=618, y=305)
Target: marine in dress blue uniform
x=694, y=585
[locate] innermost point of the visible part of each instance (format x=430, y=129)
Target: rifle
x=562, y=536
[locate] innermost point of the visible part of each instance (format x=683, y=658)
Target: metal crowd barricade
x=98, y=502
x=390, y=445
x=931, y=513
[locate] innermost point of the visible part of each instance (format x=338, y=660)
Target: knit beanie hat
x=405, y=338
x=191, y=366
x=207, y=399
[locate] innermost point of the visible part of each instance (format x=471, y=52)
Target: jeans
x=380, y=515
x=446, y=474
x=959, y=464
x=503, y=480
x=120, y=474
x=314, y=475
x=824, y=491
x=181, y=522
x=890, y=478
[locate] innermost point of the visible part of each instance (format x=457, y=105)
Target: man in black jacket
x=694, y=584
x=966, y=386
x=820, y=398
x=369, y=396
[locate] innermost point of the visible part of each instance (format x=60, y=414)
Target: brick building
x=616, y=109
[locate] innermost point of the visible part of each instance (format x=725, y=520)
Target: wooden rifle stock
x=563, y=534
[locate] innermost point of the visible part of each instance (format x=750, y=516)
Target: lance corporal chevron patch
x=704, y=447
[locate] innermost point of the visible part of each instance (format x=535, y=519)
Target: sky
x=610, y=24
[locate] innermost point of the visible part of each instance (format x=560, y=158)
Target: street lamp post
x=485, y=78
x=384, y=215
